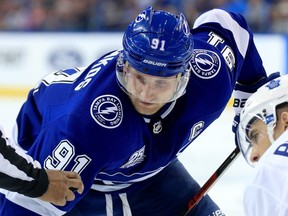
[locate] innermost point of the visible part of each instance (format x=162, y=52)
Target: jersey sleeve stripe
x=223, y=18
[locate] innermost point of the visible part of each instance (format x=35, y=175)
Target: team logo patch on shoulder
x=205, y=63
x=273, y=84
x=107, y=111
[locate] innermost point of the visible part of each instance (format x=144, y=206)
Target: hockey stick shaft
x=211, y=181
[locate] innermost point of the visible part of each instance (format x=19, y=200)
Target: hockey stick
x=211, y=181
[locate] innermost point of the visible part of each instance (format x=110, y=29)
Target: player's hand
x=60, y=184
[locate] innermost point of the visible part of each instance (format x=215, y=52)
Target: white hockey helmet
x=261, y=105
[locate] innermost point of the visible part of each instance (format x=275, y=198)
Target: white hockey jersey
x=268, y=193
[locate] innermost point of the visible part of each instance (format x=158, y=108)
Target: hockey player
x=263, y=139
x=122, y=121
x=19, y=173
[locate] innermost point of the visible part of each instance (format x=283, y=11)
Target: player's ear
x=284, y=119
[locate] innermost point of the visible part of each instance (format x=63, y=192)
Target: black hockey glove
x=242, y=93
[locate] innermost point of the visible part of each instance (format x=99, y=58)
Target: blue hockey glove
x=242, y=93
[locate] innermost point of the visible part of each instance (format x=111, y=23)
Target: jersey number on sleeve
x=239, y=102
x=67, y=76
x=62, y=155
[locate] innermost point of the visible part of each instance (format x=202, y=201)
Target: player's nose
x=147, y=92
x=254, y=156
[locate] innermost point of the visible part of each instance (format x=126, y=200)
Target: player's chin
x=146, y=108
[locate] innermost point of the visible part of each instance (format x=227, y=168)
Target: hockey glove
x=242, y=93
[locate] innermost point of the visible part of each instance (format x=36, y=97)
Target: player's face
x=259, y=139
x=149, y=93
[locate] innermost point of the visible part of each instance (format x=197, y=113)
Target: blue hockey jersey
x=79, y=119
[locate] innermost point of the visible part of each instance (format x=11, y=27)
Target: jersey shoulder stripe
x=224, y=19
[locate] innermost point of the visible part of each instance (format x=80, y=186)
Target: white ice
x=201, y=158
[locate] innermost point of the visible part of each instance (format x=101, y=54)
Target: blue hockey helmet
x=160, y=44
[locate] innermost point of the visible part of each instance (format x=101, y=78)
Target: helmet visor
x=152, y=89
x=252, y=138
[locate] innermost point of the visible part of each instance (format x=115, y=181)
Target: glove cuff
x=251, y=88
x=239, y=100
x=243, y=92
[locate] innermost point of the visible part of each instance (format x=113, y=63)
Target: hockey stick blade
x=212, y=180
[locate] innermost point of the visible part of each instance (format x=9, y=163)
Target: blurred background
x=264, y=16
x=41, y=36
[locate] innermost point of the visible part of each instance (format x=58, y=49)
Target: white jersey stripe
x=109, y=205
x=125, y=203
x=33, y=204
x=118, y=186
x=240, y=35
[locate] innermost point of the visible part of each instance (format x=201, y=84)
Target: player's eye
x=253, y=136
x=161, y=83
x=140, y=78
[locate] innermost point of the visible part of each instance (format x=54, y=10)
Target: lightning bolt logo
x=107, y=111
x=205, y=63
